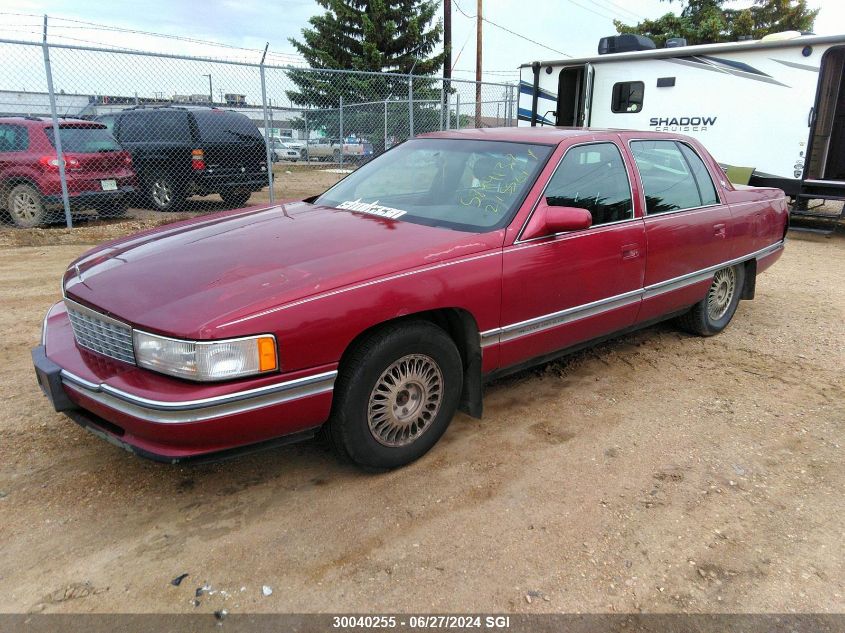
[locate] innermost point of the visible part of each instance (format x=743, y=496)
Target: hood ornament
x=78, y=273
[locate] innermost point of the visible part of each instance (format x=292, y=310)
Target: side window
x=627, y=96
x=131, y=128
x=701, y=175
x=169, y=127
x=668, y=179
x=593, y=177
x=13, y=138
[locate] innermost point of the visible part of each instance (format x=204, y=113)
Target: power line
x=504, y=28
x=95, y=26
x=615, y=7
x=586, y=8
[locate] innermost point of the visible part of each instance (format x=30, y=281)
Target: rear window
x=84, y=140
x=219, y=126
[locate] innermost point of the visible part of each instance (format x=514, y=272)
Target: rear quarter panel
x=760, y=217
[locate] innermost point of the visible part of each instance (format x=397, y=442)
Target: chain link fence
x=90, y=132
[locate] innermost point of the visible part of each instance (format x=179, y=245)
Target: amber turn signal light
x=267, y=358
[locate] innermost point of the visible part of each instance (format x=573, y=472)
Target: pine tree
x=371, y=36
x=707, y=21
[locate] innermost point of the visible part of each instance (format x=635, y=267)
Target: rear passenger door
x=686, y=225
x=560, y=290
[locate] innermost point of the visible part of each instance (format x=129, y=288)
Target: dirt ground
x=658, y=473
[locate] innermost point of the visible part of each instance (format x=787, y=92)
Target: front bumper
x=169, y=419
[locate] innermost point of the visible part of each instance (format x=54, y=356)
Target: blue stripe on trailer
x=527, y=89
x=524, y=114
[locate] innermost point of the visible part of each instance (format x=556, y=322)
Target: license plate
x=108, y=185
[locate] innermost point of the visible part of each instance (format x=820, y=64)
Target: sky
x=558, y=27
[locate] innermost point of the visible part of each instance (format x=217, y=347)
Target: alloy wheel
x=721, y=293
x=405, y=400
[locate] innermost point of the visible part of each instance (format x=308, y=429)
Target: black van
x=180, y=151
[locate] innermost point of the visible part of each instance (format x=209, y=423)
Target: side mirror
x=549, y=220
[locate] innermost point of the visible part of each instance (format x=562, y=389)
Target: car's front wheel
x=396, y=394
x=712, y=314
x=26, y=207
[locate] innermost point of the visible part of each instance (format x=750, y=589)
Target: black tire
x=712, y=314
x=363, y=385
x=164, y=192
x=26, y=207
x=236, y=198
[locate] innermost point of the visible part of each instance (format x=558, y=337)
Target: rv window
x=669, y=177
x=627, y=96
x=593, y=177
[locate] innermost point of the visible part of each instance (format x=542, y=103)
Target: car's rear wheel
x=26, y=206
x=396, y=394
x=712, y=314
x=165, y=193
x=235, y=198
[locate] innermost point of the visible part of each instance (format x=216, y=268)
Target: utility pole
x=447, y=38
x=478, y=19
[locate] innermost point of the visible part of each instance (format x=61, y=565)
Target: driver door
x=564, y=289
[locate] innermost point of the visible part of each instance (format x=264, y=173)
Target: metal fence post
x=266, y=127
x=458, y=111
x=411, y=105
x=385, y=125
x=443, y=101
x=341, y=132
x=60, y=157
x=512, y=100
x=307, y=136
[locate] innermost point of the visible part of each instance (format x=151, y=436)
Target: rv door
x=589, y=74
x=574, y=84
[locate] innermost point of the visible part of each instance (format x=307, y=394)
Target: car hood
x=187, y=278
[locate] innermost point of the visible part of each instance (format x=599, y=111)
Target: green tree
x=377, y=37
x=708, y=21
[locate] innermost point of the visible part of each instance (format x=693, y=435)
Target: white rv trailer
x=776, y=104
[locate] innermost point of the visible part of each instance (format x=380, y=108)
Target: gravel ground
x=659, y=473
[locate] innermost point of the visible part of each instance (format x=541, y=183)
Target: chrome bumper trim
x=547, y=321
x=165, y=412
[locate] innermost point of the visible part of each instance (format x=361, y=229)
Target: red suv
x=99, y=173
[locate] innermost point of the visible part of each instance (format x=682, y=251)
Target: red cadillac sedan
x=378, y=309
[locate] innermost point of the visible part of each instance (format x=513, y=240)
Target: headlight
x=201, y=360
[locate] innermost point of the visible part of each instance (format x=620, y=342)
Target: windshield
x=462, y=184
x=84, y=140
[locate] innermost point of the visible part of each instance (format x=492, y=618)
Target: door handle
x=719, y=230
x=630, y=251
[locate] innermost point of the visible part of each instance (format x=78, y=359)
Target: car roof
x=546, y=135
x=45, y=121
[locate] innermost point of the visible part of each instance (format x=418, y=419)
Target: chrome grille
x=101, y=334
